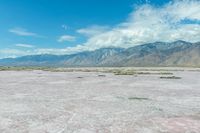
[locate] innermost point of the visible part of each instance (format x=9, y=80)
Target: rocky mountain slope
x=179, y=53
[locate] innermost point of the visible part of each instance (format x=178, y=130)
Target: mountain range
x=178, y=53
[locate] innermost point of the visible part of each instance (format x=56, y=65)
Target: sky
x=30, y=27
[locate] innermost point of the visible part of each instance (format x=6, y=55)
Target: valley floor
x=95, y=102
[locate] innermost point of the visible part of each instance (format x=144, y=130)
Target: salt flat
x=95, y=102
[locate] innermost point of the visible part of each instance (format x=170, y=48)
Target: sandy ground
x=84, y=102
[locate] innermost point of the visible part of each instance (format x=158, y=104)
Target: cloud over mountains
x=176, y=20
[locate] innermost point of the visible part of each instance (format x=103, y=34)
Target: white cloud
x=150, y=24
x=68, y=50
x=24, y=45
x=68, y=38
x=185, y=9
x=93, y=30
x=22, y=32
x=11, y=53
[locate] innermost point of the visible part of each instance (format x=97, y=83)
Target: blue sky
x=69, y=26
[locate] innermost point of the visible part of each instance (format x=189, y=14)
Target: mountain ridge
x=178, y=53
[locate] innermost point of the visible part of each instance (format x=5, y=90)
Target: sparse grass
x=4, y=68
x=144, y=73
x=133, y=98
x=114, y=70
x=101, y=75
x=125, y=72
x=195, y=70
x=79, y=77
x=170, y=77
x=137, y=72
x=165, y=73
x=138, y=98
x=154, y=73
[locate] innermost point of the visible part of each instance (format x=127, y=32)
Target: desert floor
x=95, y=102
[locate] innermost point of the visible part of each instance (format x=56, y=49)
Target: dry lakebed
x=160, y=100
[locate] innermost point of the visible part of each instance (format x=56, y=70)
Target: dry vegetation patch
x=138, y=98
x=170, y=77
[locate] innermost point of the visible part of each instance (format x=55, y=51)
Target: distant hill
x=179, y=53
